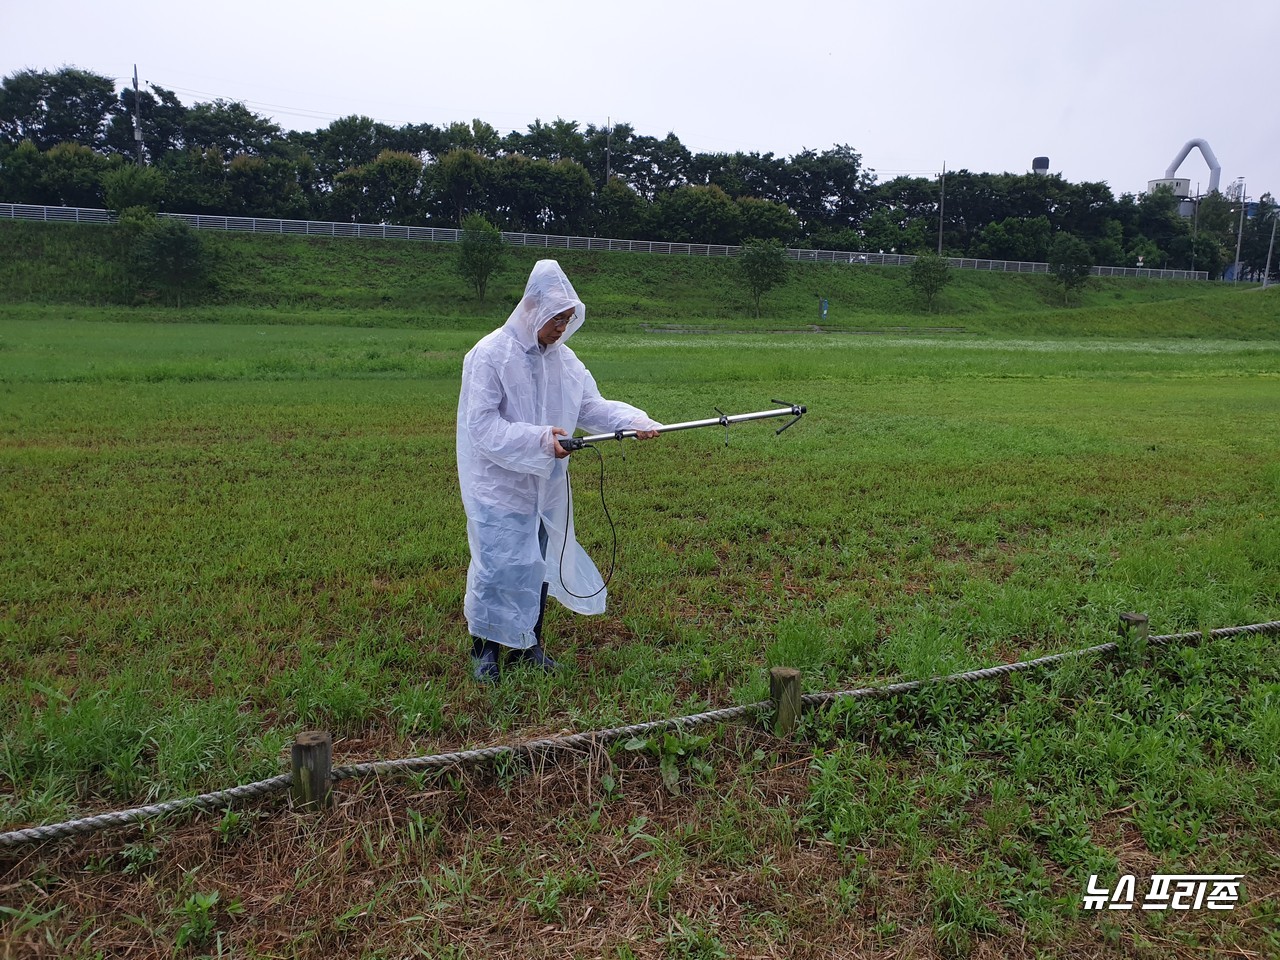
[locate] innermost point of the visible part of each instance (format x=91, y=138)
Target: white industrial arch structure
x=1181, y=187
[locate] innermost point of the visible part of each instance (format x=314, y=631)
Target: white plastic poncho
x=513, y=392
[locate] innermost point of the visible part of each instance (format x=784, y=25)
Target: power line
x=292, y=111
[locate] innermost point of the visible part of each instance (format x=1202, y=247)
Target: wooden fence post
x=1134, y=630
x=312, y=770
x=784, y=691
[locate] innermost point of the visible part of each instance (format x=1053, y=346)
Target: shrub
x=481, y=252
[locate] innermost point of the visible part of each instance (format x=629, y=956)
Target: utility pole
x=608, y=137
x=1235, y=277
x=942, y=205
x=1266, y=274
x=137, y=117
x=1195, y=222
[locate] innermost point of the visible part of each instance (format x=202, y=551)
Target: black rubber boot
x=535, y=657
x=485, y=660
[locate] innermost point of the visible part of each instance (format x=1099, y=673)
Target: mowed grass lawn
x=213, y=537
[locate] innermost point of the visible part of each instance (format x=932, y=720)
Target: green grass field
x=216, y=534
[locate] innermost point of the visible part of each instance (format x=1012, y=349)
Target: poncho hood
x=547, y=293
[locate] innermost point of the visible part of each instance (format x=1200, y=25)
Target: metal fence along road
x=386, y=231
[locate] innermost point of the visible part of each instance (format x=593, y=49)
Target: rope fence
x=311, y=780
x=990, y=673
x=123, y=818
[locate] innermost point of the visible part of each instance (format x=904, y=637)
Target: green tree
x=1160, y=222
x=475, y=137
x=172, y=255
x=540, y=196
x=1257, y=237
x=1143, y=253
x=67, y=106
x=1085, y=210
x=461, y=179
x=601, y=146
x=1204, y=252
x=1108, y=244
x=162, y=117
x=1014, y=238
x=73, y=175
x=650, y=165
x=197, y=182
x=22, y=175
x=767, y=220
x=742, y=174
x=929, y=273
x=258, y=187
x=882, y=231
x=480, y=252
x=763, y=265
x=619, y=211
x=388, y=190
x=345, y=144
x=696, y=215
x=1070, y=263
x=129, y=185
x=132, y=224
x=559, y=140
x=827, y=189
x=22, y=108
x=1217, y=216
x=229, y=128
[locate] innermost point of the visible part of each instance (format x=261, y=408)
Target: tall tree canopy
x=65, y=134
x=69, y=106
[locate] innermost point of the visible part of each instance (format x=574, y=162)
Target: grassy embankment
x=265, y=279
x=216, y=535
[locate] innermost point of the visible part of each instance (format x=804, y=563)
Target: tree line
x=67, y=138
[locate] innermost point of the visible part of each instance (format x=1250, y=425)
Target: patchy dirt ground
x=590, y=856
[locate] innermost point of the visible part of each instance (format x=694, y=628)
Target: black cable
x=568, y=516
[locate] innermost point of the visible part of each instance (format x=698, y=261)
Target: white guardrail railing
x=387, y=231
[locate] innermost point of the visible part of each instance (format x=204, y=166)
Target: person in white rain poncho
x=522, y=387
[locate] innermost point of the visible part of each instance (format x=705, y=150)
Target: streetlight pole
x=942, y=205
x=1235, y=278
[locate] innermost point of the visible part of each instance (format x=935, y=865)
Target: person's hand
x=646, y=434
x=561, y=452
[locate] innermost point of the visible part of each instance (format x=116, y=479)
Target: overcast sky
x=1109, y=90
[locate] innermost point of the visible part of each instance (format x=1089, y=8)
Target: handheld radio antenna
x=794, y=410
